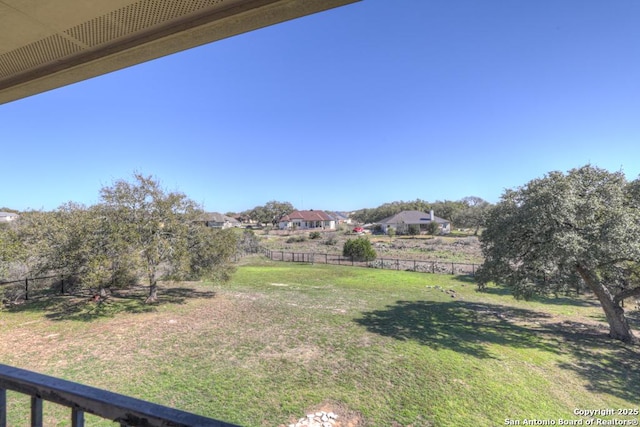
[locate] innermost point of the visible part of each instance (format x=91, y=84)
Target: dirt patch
x=345, y=417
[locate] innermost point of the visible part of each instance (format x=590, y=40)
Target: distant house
x=8, y=216
x=340, y=217
x=307, y=220
x=401, y=222
x=218, y=220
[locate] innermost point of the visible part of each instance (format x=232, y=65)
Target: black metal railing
x=81, y=399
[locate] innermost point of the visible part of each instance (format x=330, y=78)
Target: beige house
x=307, y=220
x=401, y=222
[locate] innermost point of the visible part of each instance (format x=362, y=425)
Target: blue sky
x=350, y=108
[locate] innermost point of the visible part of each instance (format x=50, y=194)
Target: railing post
x=36, y=411
x=77, y=418
x=3, y=407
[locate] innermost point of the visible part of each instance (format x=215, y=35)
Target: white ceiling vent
x=32, y=55
x=135, y=17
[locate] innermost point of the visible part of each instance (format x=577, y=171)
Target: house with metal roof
x=8, y=216
x=218, y=220
x=340, y=217
x=401, y=222
x=307, y=220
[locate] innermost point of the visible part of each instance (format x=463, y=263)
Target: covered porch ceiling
x=45, y=44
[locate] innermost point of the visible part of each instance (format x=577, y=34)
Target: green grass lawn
x=378, y=347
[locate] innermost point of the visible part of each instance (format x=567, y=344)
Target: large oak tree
x=567, y=231
x=162, y=231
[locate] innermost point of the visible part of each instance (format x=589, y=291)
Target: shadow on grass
x=565, y=301
x=465, y=278
x=465, y=327
x=609, y=366
x=81, y=307
x=551, y=300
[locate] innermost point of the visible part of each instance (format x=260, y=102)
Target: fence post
x=433, y=267
x=326, y=258
x=473, y=269
x=397, y=264
x=62, y=283
x=452, y=269
x=26, y=289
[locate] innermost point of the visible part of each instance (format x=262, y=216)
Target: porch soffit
x=45, y=44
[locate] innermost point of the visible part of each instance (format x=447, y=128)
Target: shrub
x=297, y=239
x=315, y=235
x=413, y=230
x=433, y=228
x=331, y=240
x=359, y=249
x=249, y=242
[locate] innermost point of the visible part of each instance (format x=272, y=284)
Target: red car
x=358, y=230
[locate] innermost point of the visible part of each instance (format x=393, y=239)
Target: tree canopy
x=271, y=212
x=568, y=231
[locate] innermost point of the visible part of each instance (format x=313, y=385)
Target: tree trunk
x=153, y=291
x=618, y=325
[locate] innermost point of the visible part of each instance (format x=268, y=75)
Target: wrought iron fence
x=421, y=266
x=13, y=290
